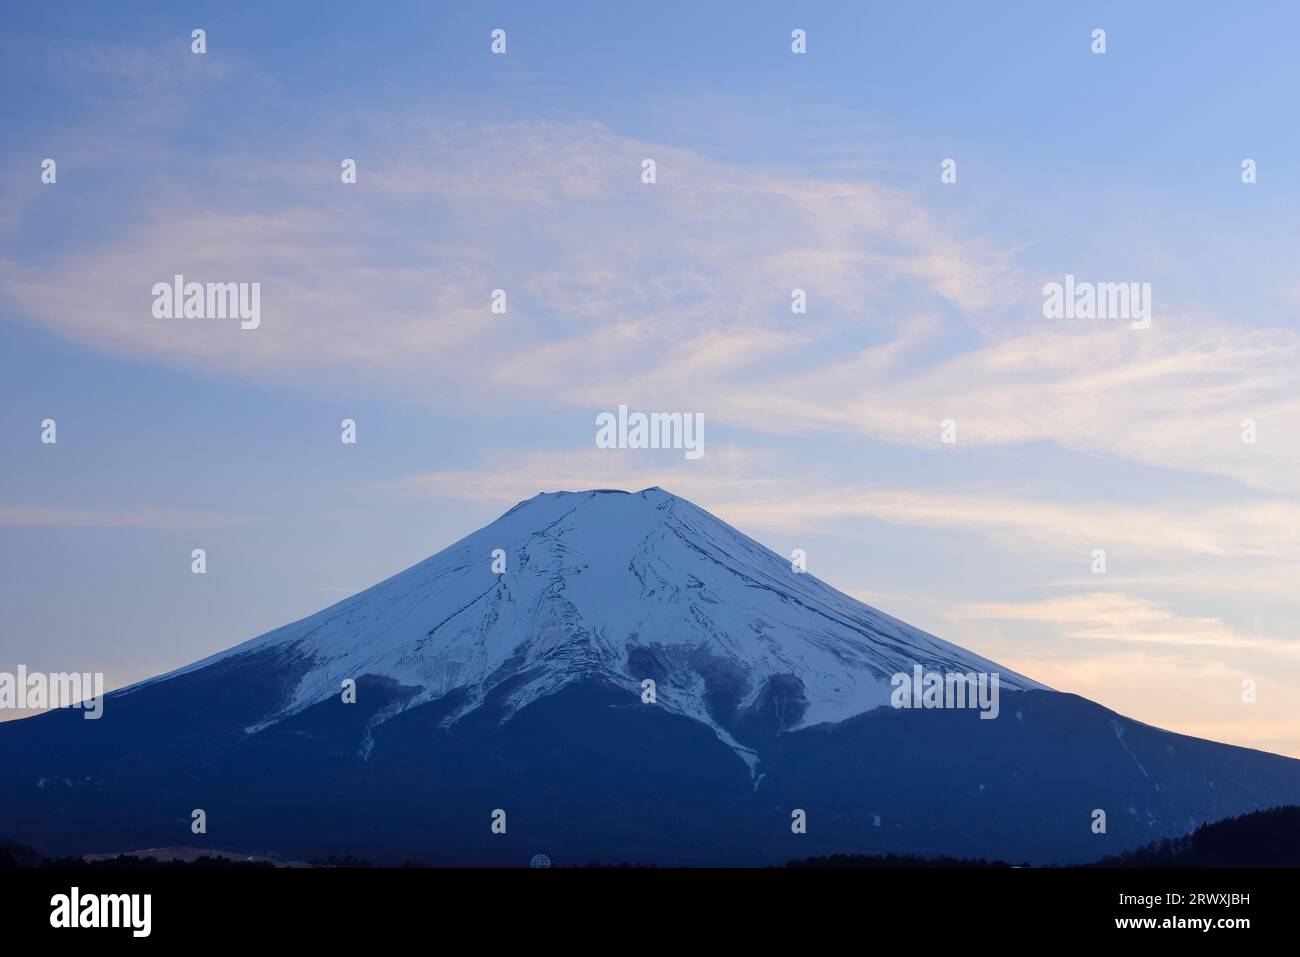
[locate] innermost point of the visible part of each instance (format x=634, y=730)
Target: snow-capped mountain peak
x=620, y=587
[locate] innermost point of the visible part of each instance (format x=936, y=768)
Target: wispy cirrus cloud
x=1119, y=617
x=387, y=283
x=1175, y=395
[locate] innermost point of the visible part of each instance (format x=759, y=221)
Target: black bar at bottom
x=657, y=905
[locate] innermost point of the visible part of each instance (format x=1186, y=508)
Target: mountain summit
x=624, y=677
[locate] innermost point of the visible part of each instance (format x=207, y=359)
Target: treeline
x=1260, y=839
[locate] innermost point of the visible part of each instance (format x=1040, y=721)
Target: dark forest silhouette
x=1260, y=839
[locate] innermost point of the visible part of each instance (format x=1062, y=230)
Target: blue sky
x=775, y=172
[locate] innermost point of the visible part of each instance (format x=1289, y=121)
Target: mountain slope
x=521, y=691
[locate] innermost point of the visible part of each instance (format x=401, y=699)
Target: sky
x=774, y=171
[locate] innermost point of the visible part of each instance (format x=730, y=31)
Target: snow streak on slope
x=618, y=587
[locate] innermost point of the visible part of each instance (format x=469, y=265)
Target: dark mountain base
x=592, y=774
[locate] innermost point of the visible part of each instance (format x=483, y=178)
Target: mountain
x=521, y=690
